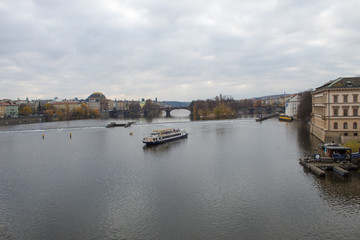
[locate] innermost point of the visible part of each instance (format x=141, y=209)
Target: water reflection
x=232, y=179
x=164, y=147
x=306, y=141
x=338, y=190
x=335, y=188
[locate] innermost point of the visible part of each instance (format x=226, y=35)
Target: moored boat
x=114, y=124
x=164, y=135
x=283, y=117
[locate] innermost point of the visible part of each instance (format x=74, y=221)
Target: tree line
x=221, y=107
x=53, y=113
x=82, y=112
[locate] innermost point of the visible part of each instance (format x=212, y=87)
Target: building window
x=346, y=134
x=355, y=112
x=355, y=98
x=345, y=112
x=335, y=125
x=355, y=134
x=335, y=98
x=355, y=125
x=335, y=111
x=345, y=125
x=345, y=98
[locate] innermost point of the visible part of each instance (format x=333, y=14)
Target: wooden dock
x=318, y=167
x=266, y=117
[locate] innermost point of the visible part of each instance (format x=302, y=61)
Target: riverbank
x=21, y=120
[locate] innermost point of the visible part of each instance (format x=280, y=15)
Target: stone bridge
x=142, y=112
x=169, y=109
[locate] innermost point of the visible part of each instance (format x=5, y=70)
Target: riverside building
x=291, y=105
x=335, y=110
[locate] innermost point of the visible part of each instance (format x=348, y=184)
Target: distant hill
x=175, y=103
x=272, y=96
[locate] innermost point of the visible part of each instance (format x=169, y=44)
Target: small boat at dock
x=283, y=117
x=262, y=118
x=331, y=144
x=114, y=124
x=337, y=158
x=164, y=135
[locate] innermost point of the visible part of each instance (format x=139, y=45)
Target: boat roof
x=163, y=130
x=337, y=148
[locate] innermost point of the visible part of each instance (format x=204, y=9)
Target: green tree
x=151, y=108
x=134, y=107
x=223, y=111
x=94, y=113
x=258, y=103
x=25, y=110
x=67, y=111
x=60, y=114
x=48, y=106
x=200, y=109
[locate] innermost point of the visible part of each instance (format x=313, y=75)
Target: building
x=98, y=101
x=3, y=109
x=335, y=110
x=119, y=105
x=67, y=105
x=8, y=109
x=292, y=104
x=278, y=100
x=12, y=110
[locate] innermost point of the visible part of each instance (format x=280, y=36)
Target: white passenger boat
x=164, y=135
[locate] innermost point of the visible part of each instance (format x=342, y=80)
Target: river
x=230, y=179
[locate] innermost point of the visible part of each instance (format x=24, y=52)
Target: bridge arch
x=168, y=110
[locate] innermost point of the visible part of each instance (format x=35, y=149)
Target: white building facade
x=291, y=105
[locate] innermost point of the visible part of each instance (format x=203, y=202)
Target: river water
x=230, y=179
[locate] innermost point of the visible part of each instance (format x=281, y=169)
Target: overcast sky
x=175, y=50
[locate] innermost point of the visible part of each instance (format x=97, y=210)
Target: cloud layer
x=182, y=50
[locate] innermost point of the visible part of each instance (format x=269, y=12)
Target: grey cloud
x=156, y=48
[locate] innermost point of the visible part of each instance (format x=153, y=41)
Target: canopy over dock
x=338, y=152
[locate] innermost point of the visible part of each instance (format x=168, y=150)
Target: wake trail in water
x=49, y=129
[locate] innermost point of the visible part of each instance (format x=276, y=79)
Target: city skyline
x=174, y=51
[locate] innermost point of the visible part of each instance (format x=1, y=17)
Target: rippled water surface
x=232, y=179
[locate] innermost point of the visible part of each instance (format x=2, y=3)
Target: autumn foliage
x=82, y=112
x=222, y=107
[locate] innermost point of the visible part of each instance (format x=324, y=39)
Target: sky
x=175, y=50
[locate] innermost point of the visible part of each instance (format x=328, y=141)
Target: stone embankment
x=22, y=120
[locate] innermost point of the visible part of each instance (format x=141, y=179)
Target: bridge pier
x=168, y=112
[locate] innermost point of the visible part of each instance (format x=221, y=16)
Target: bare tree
x=305, y=106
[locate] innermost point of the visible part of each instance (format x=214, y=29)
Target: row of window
x=345, y=125
x=345, y=112
x=345, y=98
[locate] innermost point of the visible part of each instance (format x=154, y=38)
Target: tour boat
x=283, y=117
x=164, y=135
